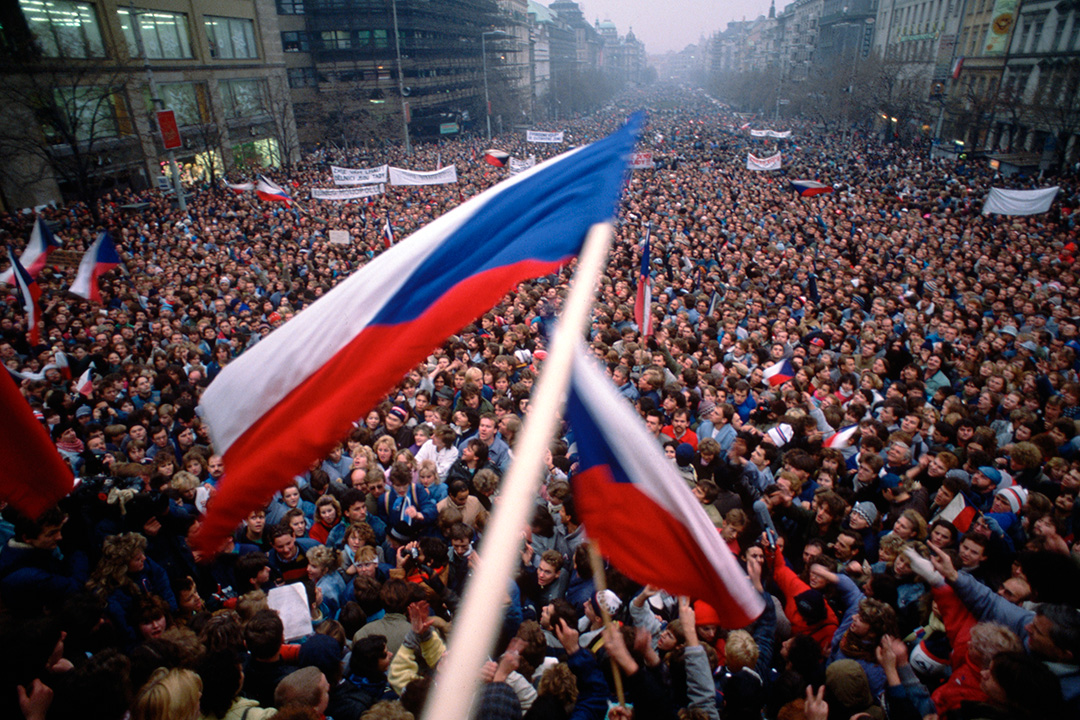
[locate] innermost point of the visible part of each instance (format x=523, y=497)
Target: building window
x=231, y=38
x=87, y=113
x=336, y=39
x=243, y=98
x=63, y=28
x=188, y=100
x=164, y=35
x=302, y=77
x=295, y=42
x=290, y=7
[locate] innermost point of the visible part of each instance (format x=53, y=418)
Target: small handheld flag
x=99, y=259
x=779, y=373
x=809, y=188
x=388, y=232
x=643, y=301
x=270, y=191
x=31, y=298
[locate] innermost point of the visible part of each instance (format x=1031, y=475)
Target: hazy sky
x=665, y=25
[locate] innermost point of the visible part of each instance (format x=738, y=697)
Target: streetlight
x=483, y=52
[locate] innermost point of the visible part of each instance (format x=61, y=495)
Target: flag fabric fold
x=290, y=398
x=779, y=373
x=388, y=233
x=30, y=292
x=239, y=188
x=270, y=191
x=85, y=384
x=809, y=188
x=36, y=253
x=498, y=158
x=33, y=476
x=643, y=300
x=842, y=438
x=635, y=505
x=99, y=259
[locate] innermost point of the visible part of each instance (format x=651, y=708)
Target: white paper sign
x=769, y=163
x=442, y=176
x=340, y=237
x=538, y=136
x=642, y=161
x=517, y=165
x=346, y=193
x=358, y=176
x=290, y=602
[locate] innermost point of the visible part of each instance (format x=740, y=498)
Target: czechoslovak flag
x=290, y=398
x=388, y=232
x=270, y=191
x=637, y=508
x=99, y=259
x=841, y=438
x=809, y=188
x=239, y=188
x=643, y=301
x=36, y=253
x=31, y=298
x=779, y=373
x=498, y=158
x=85, y=385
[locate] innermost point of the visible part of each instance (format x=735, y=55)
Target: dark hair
x=27, y=528
x=220, y=673
x=352, y=617
x=1031, y=689
x=264, y=634
x=395, y=595
x=248, y=567
x=366, y=654
x=350, y=497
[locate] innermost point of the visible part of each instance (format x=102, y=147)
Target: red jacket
x=792, y=585
x=963, y=683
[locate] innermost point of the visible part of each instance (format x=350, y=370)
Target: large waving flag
x=291, y=397
x=99, y=259
x=239, y=188
x=35, y=254
x=33, y=476
x=270, y=191
x=31, y=298
x=63, y=365
x=779, y=373
x=643, y=301
x=640, y=511
x=841, y=438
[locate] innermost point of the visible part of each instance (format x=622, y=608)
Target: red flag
x=33, y=476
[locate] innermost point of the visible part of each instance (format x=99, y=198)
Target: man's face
x=461, y=546
x=486, y=431
x=679, y=423
x=285, y=546
x=1015, y=591
x=546, y=574
x=653, y=423
x=356, y=513
x=49, y=538
x=844, y=548
x=256, y=521
x=971, y=554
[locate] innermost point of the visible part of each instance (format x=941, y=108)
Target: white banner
x=347, y=193
x=517, y=166
x=775, y=134
x=538, y=136
x=760, y=133
x=358, y=176
x=340, y=237
x=1019, y=202
x=770, y=163
x=641, y=161
x=442, y=176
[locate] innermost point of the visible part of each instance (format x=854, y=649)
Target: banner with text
x=1000, y=29
x=442, y=176
x=769, y=163
x=347, y=193
x=538, y=136
x=358, y=176
x=759, y=133
x=517, y=165
x=641, y=161
x=771, y=133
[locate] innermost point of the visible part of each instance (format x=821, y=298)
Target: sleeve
x=899, y=705
x=159, y=581
x=592, y=688
x=643, y=617
x=403, y=668
x=700, y=689
x=765, y=635
x=523, y=689
x=852, y=595
x=985, y=604
x=916, y=691
x=958, y=622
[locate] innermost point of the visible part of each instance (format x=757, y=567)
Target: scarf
x=75, y=446
x=858, y=648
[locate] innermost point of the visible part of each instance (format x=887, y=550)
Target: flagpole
x=476, y=626
x=600, y=583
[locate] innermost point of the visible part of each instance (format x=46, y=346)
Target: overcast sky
x=665, y=25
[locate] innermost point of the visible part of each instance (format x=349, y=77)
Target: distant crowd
x=873, y=394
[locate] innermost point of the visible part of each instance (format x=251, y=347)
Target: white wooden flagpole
x=476, y=626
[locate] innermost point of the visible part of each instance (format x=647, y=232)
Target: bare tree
x=1056, y=108
x=277, y=105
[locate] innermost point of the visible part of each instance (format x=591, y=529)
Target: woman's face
x=137, y=562
x=384, y=453
x=367, y=569
x=152, y=628
x=327, y=514
x=354, y=542
x=194, y=467
x=298, y=525
x=372, y=420
x=903, y=528
x=427, y=478
x=859, y=626
x=315, y=572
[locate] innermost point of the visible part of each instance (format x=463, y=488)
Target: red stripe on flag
x=295, y=431
x=669, y=555
x=33, y=476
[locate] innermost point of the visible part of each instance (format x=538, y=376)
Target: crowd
x=924, y=568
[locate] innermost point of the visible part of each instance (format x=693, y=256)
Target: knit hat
x=705, y=408
x=705, y=614
x=867, y=511
x=399, y=412
x=323, y=652
x=684, y=454
x=992, y=473
x=1016, y=496
x=962, y=475
x=445, y=393
x=780, y=435
x=811, y=605
x=890, y=481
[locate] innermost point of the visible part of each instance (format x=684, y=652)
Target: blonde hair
x=741, y=650
x=387, y=441
x=559, y=682
x=387, y=710
x=183, y=481
x=111, y=572
x=168, y=695
x=250, y=603
x=988, y=639
x=323, y=557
